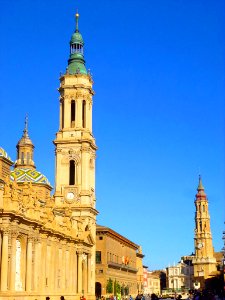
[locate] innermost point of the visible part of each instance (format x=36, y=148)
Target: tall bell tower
x=204, y=261
x=75, y=144
x=75, y=150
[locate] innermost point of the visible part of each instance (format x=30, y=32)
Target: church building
x=47, y=242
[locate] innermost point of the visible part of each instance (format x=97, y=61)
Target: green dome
x=28, y=175
x=76, y=62
x=77, y=38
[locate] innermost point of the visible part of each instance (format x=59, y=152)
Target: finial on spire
x=200, y=186
x=77, y=17
x=25, y=131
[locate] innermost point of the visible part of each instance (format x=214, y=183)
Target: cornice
x=108, y=231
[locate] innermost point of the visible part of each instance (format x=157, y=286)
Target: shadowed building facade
x=47, y=243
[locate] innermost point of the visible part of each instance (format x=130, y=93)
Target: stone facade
x=153, y=283
x=180, y=276
x=47, y=242
x=116, y=260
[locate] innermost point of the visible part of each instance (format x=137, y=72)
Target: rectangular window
x=101, y=238
x=98, y=257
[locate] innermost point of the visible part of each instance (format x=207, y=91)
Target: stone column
x=43, y=262
x=68, y=267
x=89, y=273
x=79, y=113
x=75, y=271
x=85, y=169
x=79, y=272
x=67, y=112
x=5, y=256
x=63, y=266
x=37, y=262
x=60, y=115
x=91, y=109
x=14, y=235
x=52, y=270
x=85, y=273
x=29, y=263
x=56, y=247
x=89, y=115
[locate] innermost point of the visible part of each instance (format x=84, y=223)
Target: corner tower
x=204, y=261
x=75, y=150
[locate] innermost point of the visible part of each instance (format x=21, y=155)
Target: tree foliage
x=109, y=286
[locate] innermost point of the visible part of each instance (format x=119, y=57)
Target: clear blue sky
x=158, y=118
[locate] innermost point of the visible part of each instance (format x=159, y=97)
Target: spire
x=77, y=18
x=25, y=131
x=25, y=140
x=200, y=186
x=201, y=195
x=76, y=62
x=25, y=149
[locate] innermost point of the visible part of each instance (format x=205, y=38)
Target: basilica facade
x=47, y=241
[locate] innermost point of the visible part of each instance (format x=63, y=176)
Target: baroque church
x=47, y=242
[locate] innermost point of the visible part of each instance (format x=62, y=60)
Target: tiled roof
x=28, y=175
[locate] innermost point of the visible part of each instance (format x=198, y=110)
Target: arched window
x=84, y=113
x=73, y=113
x=72, y=173
x=203, y=208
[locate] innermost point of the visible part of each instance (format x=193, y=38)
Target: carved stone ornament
x=92, y=162
x=80, y=94
x=5, y=230
x=70, y=155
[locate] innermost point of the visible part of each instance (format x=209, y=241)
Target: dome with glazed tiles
x=28, y=175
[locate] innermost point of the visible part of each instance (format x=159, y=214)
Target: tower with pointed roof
x=25, y=149
x=25, y=169
x=204, y=261
x=75, y=149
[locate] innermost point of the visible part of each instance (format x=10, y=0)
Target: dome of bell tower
x=76, y=62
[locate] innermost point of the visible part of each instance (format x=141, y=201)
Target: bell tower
x=75, y=150
x=204, y=261
x=75, y=144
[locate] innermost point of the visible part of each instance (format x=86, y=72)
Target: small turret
x=25, y=149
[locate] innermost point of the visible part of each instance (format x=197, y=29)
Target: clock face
x=70, y=196
x=199, y=245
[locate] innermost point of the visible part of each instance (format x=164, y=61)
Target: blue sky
x=158, y=116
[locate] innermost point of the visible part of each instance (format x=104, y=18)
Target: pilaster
x=5, y=257
x=29, y=263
